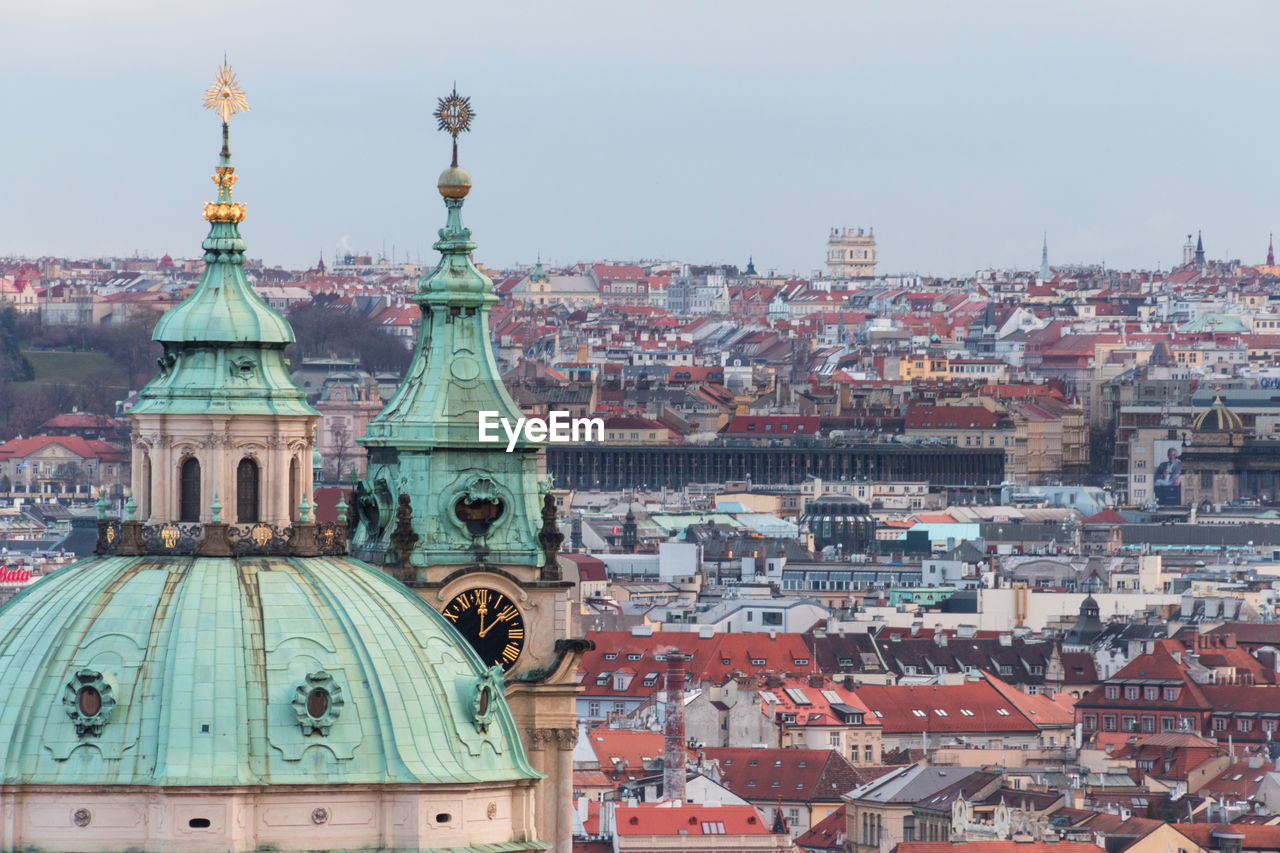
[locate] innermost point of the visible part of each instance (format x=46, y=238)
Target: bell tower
x=466, y=523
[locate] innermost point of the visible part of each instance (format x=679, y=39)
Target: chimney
x=673, y=755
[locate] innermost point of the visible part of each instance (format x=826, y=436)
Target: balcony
x=302, y=539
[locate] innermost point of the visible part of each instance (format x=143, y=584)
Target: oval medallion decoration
x=464, y=368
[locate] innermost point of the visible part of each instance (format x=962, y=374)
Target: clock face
x=491, y=623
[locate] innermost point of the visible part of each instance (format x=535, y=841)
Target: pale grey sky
x=703, y=131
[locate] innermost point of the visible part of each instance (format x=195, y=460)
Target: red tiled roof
x=997, y=847
x=1256, y=837
x=623, y=753
x=1107, y=516
x=826, y=834
x=716, y=658
x=589, y=568
x=969, y=707
x=794, y=775
x=925, y=416
x=86, y=448
x=691, y=820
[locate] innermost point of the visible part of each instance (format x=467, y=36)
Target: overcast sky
x=699, y=131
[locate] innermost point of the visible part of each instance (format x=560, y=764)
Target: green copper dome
x=206, y=672
x=223, y=308
x=223, y=345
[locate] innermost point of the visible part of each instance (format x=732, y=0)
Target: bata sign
x=8, y=575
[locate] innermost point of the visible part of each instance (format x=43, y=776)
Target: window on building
x=247, y=492
x=1108, y=722
x=1151, y=694
x=1130, y=692
x=593, y=709
x=1219, y=724
x=189, y=491
x=1090, y=722
x=1171, y=694
x=1113, y=692
x=295, y=488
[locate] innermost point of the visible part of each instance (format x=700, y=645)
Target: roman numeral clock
x=491, y=622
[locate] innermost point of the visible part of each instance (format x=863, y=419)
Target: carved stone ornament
x=484, y=700
x=319, y=816
x=492, y=811
x=566, y=738
x=318, y=702
x=82, y=817
x=87, y=698
x=540, y=739
x=479, y=506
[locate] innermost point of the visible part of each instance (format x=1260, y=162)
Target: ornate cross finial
x=225, y=97
x=454, y=114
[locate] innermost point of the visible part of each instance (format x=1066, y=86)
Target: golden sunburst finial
x=454, y=114
x=225, y=96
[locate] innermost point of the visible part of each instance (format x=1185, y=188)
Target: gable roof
x=691, y=820
x=947, y=708
x=804, y=775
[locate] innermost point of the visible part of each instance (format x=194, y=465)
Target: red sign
x=8, y=575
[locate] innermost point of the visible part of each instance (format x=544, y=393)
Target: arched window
x=295, y=488
x=247, y=491
x=189, y=492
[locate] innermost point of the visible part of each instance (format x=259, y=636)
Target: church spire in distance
x=1271, y=250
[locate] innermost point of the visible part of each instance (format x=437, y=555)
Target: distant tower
x=629, y=533
x=320, y=264
x=1189, y=252
x=1199, y=258
x=673, y=753
x=851, y=253
x=751, y=266
x=1044, y=258
x=1271, y=250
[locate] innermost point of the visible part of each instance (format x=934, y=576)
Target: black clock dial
x=491, y=623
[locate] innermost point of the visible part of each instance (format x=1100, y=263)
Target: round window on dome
x=89, y=701
x=318, y=703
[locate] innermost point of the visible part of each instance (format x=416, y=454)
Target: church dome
x=178, y=672
x=1217, y=418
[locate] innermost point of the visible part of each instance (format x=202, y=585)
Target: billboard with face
x=1168, y=477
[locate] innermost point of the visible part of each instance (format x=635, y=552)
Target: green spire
x=223, y=306
x=453, y=376
x=470, y=499
x=223, y=345
x=538, y=273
